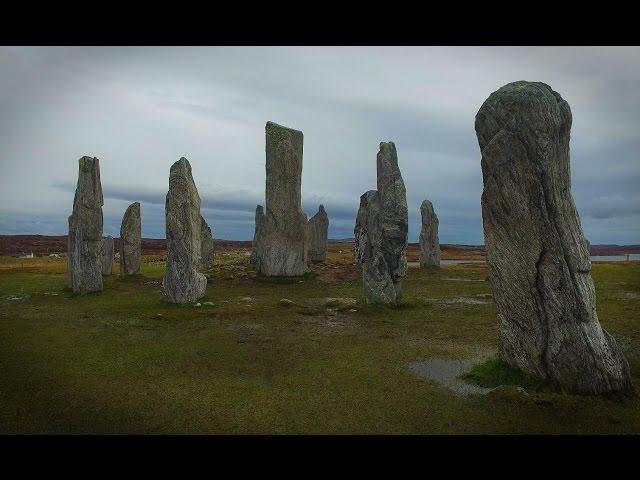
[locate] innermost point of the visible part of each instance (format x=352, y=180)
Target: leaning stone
x=538, y=257
x=318, y=228
x=107, y=255
x=84, y=255
x=282, y=249
x=381, y=231
x=183, y=282
x=429, y=244
x=131, y=240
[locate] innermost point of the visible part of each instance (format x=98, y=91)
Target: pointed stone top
x=426, y=204
x=182, y=164
x=321, y=208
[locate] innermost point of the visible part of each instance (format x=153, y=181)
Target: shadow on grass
x=495, y=372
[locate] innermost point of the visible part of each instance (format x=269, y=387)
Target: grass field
x=124, y=361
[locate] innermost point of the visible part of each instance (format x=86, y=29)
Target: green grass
x=125, y=361
x=495, y=372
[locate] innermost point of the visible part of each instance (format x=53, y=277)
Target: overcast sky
x=139, y=109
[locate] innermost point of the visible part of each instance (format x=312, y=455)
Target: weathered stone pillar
x=283, y=239
x=381, y=231
x=84, y=256
x=107, y=255
x=206, y=242
x=539, y=263
x=131, y=240
x=183, y=282
x=318, y=231
x=255, y=246
x=429, y=244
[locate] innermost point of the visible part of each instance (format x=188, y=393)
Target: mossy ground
x=125, y=361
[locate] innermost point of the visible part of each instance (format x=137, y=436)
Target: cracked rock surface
x=84, y=253
x=381, y=231
x=131, y=240
x=183, y=281
x=281, y=247
x=429, y=244
x=538, y=258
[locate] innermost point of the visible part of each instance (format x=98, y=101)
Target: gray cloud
x=139, y=109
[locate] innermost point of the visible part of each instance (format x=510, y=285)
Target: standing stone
x=206, y=245
x=429, y=244
x=381, y=231
x=318, y=230
x=183, y=282
x=107, y=255
x=131, y=240
x=539, y=263
x=259, y=220
x=282, y=249
x=84, y=256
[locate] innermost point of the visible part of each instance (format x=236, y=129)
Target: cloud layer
x=140, y=109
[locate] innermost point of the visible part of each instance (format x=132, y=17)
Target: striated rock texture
x=84, y=256
x=282, y=246
x=318, y=229
x=381, y=231
x=206, y=242
x=538, y=257
x=429, y=244
x=259, y=220
x=183, y=282
x=131, y=240
x=107, y=255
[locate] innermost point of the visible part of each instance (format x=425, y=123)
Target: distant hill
x=46, y=244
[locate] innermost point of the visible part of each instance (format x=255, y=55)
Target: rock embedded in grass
x=131, y=240
x=429, y=244
x=84, y=255
x=183, y=282
x=381, y=231
x=538, y=257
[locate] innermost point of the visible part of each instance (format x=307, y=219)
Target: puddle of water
x=445, y=372
x=454, y=279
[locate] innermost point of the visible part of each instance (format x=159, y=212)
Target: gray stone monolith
x=429, y=244
x=206, y=242
x=131, y=240
x=538, y=258
x=84, y=256
x=318, y=231
x=381, y=231
x=107, y=255
x=282, y=249
x=255, y=246
x=183, y=282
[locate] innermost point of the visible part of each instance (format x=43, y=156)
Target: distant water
x=594, y=259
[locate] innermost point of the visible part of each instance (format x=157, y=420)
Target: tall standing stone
x=381, y=231
x=282, y=249
x=183, y=282
x=131, y=240
x=206, y=245
x=538, y=258
x=255, y=246
x=84, y=256
x=318, y=231
x=107, y=255
x=429, y=244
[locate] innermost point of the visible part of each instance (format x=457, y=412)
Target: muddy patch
x=445, y=373
x=455, y=279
